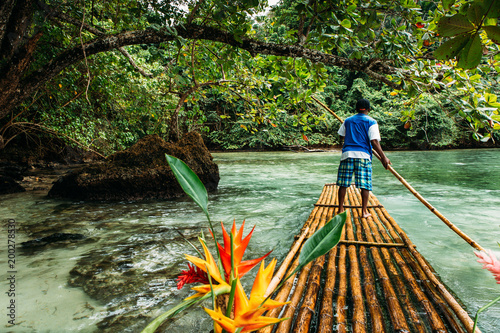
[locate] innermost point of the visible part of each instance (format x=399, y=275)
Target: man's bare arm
x=376, y=146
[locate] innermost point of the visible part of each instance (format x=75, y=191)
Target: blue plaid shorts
x=362, y=169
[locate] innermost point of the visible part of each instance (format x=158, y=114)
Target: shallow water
x=124, y=271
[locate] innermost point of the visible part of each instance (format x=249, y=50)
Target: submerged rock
x=140, y=172
x=9, y=185
x=58, y=237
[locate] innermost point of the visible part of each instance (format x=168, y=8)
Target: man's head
x=363, y=105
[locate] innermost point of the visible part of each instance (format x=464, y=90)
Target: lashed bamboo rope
x=415, y=193
x=452, y=302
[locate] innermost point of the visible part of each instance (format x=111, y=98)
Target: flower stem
x=482, y=309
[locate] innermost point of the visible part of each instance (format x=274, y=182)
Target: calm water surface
x=126, y=266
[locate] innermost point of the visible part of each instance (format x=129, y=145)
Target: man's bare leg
x=365, y=194
x=341, y=195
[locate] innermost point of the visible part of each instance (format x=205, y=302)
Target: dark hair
x=362, y=105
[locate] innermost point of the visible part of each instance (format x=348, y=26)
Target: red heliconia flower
x=239, y=246
x=192, y=275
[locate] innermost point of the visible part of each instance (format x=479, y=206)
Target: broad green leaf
x=189, y=182
x=346, y=23
x=322, y=240
x=447, y=4
x=471, y=54
x=475, y=13
x=492, y=8
x=454, y=25
x=452, y=47
x=493, y=33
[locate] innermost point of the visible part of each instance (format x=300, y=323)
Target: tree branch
x=132, y=62
x=375, y=69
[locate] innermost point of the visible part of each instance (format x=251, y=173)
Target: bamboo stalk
x=358, y=317
x=308, y=306
x=452, y=302
x=284, y=292
x=374, y=307
x=435, y=321
x=415, y=193
x=342, y=291
x=289, y=309
x=382, y=244
x=395, y=310
x=325, y=323
x=372, y=233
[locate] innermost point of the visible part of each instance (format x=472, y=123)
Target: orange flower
x=209, y=266
x=239, y=246
x=248, y=312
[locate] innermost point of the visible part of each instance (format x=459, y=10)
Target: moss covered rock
x=140, y=172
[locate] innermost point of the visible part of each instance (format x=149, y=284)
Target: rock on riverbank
x=140, y=172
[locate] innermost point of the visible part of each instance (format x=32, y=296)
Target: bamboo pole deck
x=374, y=280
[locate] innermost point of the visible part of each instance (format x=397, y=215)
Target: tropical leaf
x=475, y=13
x=452, y=47
x=493, y=33
x=189, y=182
x=322, y=240
x=471, y=54
x=450, y=26
x=492, y=8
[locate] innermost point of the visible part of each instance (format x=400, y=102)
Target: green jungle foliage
x=239, y=100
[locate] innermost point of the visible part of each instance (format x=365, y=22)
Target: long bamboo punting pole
x=452, y=302
x=416, y=194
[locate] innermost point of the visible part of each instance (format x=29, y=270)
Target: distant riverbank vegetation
x=102, y=75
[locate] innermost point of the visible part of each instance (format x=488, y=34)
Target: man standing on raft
x=360, y=132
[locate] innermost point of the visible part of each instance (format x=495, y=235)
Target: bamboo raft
x=374, y=280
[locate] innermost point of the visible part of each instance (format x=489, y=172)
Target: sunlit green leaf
x=189, y=181
x=322, y=240
x=346, y=23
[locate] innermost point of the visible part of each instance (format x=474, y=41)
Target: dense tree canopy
x=137, y=67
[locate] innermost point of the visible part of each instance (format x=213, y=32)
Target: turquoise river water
x=122, y=273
